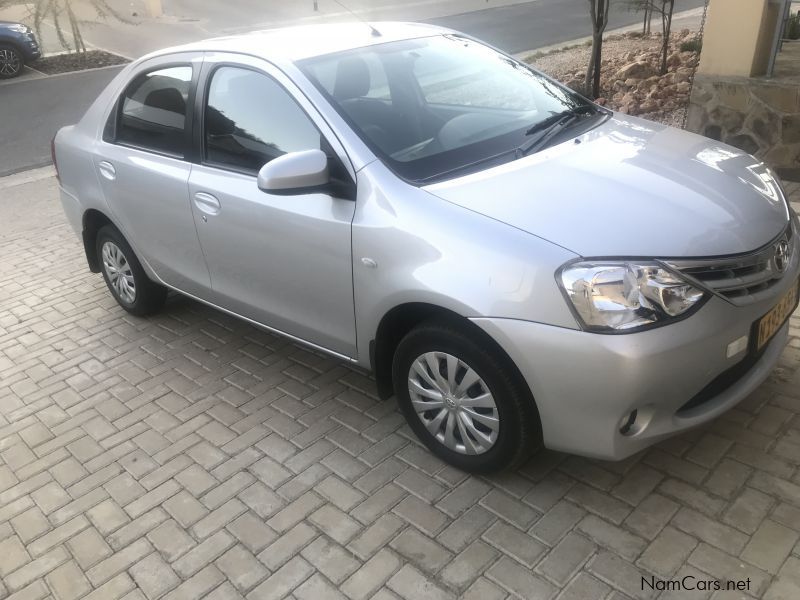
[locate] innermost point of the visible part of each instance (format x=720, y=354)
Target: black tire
x=11, y=61
x=519, y=432
x=148, y=296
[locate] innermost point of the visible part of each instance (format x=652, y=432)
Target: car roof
x=292, y=44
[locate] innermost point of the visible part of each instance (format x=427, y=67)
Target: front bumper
x=586, y=384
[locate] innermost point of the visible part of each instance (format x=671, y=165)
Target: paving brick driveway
x=190, y=455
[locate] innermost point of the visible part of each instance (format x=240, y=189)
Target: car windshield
x=435, y=106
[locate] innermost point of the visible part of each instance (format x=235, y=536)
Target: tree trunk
x=666, y=27
x=597, y=59
x=598, y=11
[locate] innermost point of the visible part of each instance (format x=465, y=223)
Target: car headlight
x=19, y=28
x=622, y=297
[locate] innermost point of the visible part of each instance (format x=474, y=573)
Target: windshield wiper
x=550, y=126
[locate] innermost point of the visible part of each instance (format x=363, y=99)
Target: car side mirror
x=295, y=173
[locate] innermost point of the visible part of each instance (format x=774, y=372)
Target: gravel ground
x=561, y=63
x=576, y=58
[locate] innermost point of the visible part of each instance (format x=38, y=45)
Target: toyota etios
x=516, y=264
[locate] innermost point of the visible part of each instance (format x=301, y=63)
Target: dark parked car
x=18, y=46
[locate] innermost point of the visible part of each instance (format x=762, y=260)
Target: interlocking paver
x=153, y=576
x=667, y=552
x=287, y=545
x=30, y=524
x=517, y=579
x=189, y=455
x=462, y=570
x=241, y=568
x=12, y=555
x=719, y=564
x=89, y=548
x=171, y=540
x=68, y=582
x=509, y=540
x=567, y=557
x=283, y=581
x=372, y=575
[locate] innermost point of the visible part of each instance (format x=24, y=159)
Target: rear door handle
x=107, y=170
x=207, y=203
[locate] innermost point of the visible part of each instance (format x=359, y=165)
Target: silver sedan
x=516, y=264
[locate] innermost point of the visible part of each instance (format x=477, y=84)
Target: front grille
x=741, y=279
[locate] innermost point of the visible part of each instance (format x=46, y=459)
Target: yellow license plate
x=770, y=323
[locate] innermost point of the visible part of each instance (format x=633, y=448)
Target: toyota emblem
x=781, y=259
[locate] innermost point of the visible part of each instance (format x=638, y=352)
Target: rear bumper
x=72, y=210
x=586, y=385
x=29, y=46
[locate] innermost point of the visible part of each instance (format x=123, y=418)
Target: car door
x=281, y=260
x=143, y=164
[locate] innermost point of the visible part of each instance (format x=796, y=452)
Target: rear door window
x=153, y=110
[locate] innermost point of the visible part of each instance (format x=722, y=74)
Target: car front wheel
x=124, y=275
x=464, y=399
x=11, y=62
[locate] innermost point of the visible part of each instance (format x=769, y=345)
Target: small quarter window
x=250, y=119
x=153, y=111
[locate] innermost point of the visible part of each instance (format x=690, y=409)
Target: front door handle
x=207, y=203
x=107, y=170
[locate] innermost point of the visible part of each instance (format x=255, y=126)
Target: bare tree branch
x=67, y=24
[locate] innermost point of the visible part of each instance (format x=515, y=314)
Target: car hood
x=632, y=188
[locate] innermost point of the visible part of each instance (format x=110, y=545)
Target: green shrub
x=793, y=27
x=692, y=45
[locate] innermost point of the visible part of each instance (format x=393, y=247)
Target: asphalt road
x=532, y=25
x=34, y=110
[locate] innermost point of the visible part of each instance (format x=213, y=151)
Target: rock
x=648, y=106
x=684, y=87
x=674, y=60
x=601, y=101
x=743, y=142
x=791, y=129
x=679, y=77
x=577, y=84
x=768, y=127
x=727, y=119
x=714, y=132
x=636, y=70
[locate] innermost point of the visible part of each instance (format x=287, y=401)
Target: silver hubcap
x=10, y=63
x=453, y=403
x=119, y=272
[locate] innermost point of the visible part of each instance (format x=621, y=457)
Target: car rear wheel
x=464, y=399
x=11, y=62
x=124, y=275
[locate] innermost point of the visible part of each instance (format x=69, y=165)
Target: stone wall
x=760, y=116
